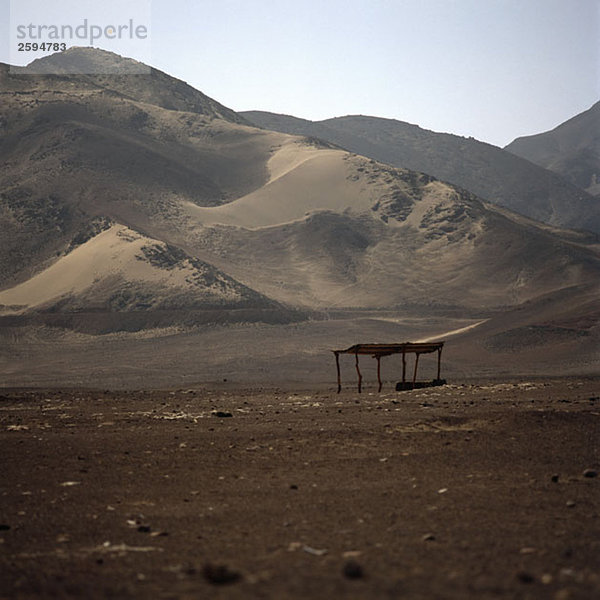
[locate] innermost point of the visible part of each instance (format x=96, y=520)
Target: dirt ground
x=473, y=490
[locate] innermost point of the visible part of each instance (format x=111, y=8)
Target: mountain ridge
x=571, y=149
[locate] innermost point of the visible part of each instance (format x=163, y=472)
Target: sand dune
x=111, y=252
x=303, y=179
x=119, y=262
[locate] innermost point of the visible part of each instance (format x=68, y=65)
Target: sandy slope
x=302, y=179
x=112, y=262
x=112, y=252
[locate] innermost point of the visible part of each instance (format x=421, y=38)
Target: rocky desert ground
x=478, y=489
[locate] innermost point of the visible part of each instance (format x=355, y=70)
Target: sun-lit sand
x=302, y=180
x=96, y=267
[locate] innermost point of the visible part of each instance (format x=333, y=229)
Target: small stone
x=220, y=574
x=567, y=553
x=17, y=427
x=525, y=577
x=428, y=537
x=314, y=551
x=571, y=503
x=352, y=570
x=222, y=414
x=567, y=574
x=590, y=473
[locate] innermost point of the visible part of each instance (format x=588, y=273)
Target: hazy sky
x=491, y=69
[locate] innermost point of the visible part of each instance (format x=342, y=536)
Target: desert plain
x=477, y=489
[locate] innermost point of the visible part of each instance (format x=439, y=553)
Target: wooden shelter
x=377, y=351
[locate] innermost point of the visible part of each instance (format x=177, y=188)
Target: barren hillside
x=134, y=202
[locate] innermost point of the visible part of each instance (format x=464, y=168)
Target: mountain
x=121, y=211
x=100, y=69
x=571, y=149
x=76, y=147
x=491, y=173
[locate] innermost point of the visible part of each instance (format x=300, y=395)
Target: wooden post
x=339, y=377
x=403, y=365
x=416, y=366
x=359, y=375
x=439, y=362
x=379, y=371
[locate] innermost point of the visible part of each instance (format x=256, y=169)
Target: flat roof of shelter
x=387, y=349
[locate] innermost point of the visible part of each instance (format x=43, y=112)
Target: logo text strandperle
x=84, y=31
